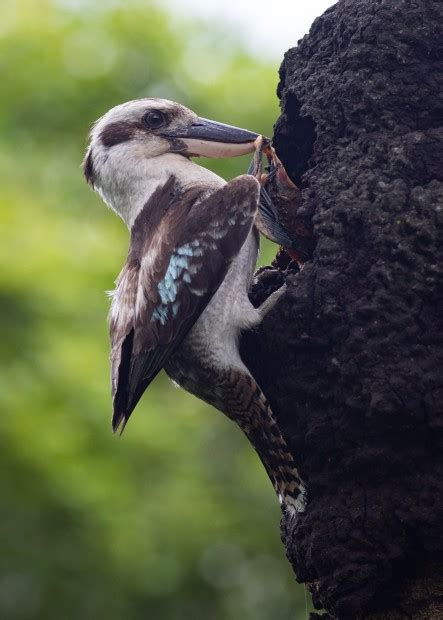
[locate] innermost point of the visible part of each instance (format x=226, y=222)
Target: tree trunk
x=349, y=358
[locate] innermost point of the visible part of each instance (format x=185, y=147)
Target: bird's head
x=145, y=129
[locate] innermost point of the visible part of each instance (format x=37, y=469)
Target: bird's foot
x=270, y=301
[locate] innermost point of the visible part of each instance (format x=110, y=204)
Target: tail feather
x=245, y=403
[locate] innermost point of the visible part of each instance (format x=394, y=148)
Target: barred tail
x=245, y=404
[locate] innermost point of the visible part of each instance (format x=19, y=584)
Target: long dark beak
x=212, y=139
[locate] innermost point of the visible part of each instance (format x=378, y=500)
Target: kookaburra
x=181, y=299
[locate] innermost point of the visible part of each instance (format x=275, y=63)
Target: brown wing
x=180, y=252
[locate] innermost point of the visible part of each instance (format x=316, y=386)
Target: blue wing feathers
x=199, y=241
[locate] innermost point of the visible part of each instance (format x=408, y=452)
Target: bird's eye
x=154, y=119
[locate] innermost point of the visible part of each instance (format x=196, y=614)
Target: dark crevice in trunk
x=294, y=139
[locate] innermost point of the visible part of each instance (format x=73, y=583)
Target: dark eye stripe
x=116, y=133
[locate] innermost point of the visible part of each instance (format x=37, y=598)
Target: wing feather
x=181, y=249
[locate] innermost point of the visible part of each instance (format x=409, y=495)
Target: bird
x=181, y=300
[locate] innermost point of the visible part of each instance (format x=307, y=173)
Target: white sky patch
x=267, y=28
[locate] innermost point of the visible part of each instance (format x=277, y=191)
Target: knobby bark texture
x=350, y=358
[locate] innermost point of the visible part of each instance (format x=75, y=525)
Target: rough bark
x=350, y=358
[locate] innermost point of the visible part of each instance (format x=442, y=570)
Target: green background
x=176, y=519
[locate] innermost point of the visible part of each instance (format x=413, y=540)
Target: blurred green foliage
x=176, y=519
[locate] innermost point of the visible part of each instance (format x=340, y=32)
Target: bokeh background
x=176, y=519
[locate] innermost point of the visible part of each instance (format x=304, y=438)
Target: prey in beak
x=278, y=216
